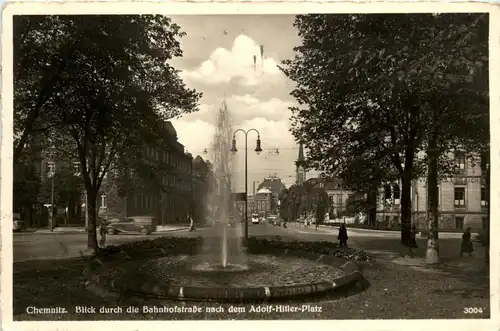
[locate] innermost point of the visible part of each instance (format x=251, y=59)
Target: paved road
x=29, y=246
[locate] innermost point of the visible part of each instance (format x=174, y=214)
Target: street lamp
x=53, y=174
x=258, y=150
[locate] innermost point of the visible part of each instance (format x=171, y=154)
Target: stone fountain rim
x=351, y=274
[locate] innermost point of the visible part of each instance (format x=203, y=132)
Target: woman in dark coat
x=343, y=237
x=467, y=246
x=413, y=239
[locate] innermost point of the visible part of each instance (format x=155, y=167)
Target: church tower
x=300, y=171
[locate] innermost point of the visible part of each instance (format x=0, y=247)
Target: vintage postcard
x=319, y=165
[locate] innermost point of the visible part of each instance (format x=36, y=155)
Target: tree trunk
x=406, y=208
x=92, y=212
x=432, y=253
x=372, y=203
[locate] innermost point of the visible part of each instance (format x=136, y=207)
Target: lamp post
x=53, y=174
x=258, y=149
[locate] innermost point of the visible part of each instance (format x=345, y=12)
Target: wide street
x=29, y=246
x=398, y=287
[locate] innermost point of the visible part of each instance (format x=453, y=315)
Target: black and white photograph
x=250, y=162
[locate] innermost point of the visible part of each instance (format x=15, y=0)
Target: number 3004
x=473, y=310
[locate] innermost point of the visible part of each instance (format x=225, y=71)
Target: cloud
x=256, y=98
x=235, y=66
x=244, y=108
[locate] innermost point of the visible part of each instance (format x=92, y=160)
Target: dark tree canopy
x=97, y=87
x=371, y=88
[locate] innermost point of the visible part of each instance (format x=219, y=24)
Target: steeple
x=300, y=172
x=301, y=152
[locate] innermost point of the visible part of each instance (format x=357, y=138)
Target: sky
x=218, y=61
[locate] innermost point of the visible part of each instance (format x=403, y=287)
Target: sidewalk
x=447, y=264
x=73, y=230
x=366, y=232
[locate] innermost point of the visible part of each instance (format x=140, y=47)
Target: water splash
x=224, y=245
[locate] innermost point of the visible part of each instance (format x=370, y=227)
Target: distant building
x=462, y=199
x=337, y=194
x=274, y=184
x=200, y=187
x=261, y=203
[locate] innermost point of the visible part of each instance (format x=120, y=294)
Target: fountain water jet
x=222, y=248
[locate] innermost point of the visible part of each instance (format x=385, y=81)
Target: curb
x=352, y=274
x=82, y=231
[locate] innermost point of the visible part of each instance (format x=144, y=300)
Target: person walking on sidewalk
x=342, y=237
x=103, y=229
x=467, y=246
x=413, y=239
x=191, y=223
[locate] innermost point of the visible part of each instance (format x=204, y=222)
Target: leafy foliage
x=302, y=199
x=101, y=85
x=371, y=88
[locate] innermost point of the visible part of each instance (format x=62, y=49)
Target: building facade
x=463, y=199
x=261, y=203
x=200, y=189
x=338, y=195
x=165, y=192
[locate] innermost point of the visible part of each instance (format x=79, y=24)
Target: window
x=460, y=161
x=459, y=222
x=51, y=168
x=339, y=199
x=321, y=185
x=76, y=168
x=460, y=196
x=104, y=201
x=332, y=201
x=484, y=196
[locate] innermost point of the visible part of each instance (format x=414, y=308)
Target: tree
x=111, y=88
x=283, y=201
x=369, y=84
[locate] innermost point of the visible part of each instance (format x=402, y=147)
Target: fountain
x=223, y=248
x=223, y=269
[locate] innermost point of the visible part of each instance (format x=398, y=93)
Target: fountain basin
x=281, y=274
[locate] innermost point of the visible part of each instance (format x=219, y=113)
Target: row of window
x=167, y=158
x=461, y=161
x=460, y=200
x=335, y=199
x=459, y=221
x=172, y=181
x=51, y=169
x=146, y=201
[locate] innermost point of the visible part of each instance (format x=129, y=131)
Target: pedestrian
x=103, y=231
x=466, y=246
x=413, y=239
x=191, y=223
x=342, y=237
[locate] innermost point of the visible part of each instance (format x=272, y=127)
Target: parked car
x=132, y=224
x=18, y=224
x=255, y=219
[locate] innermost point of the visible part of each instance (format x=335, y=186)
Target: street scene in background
x=205, y=167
